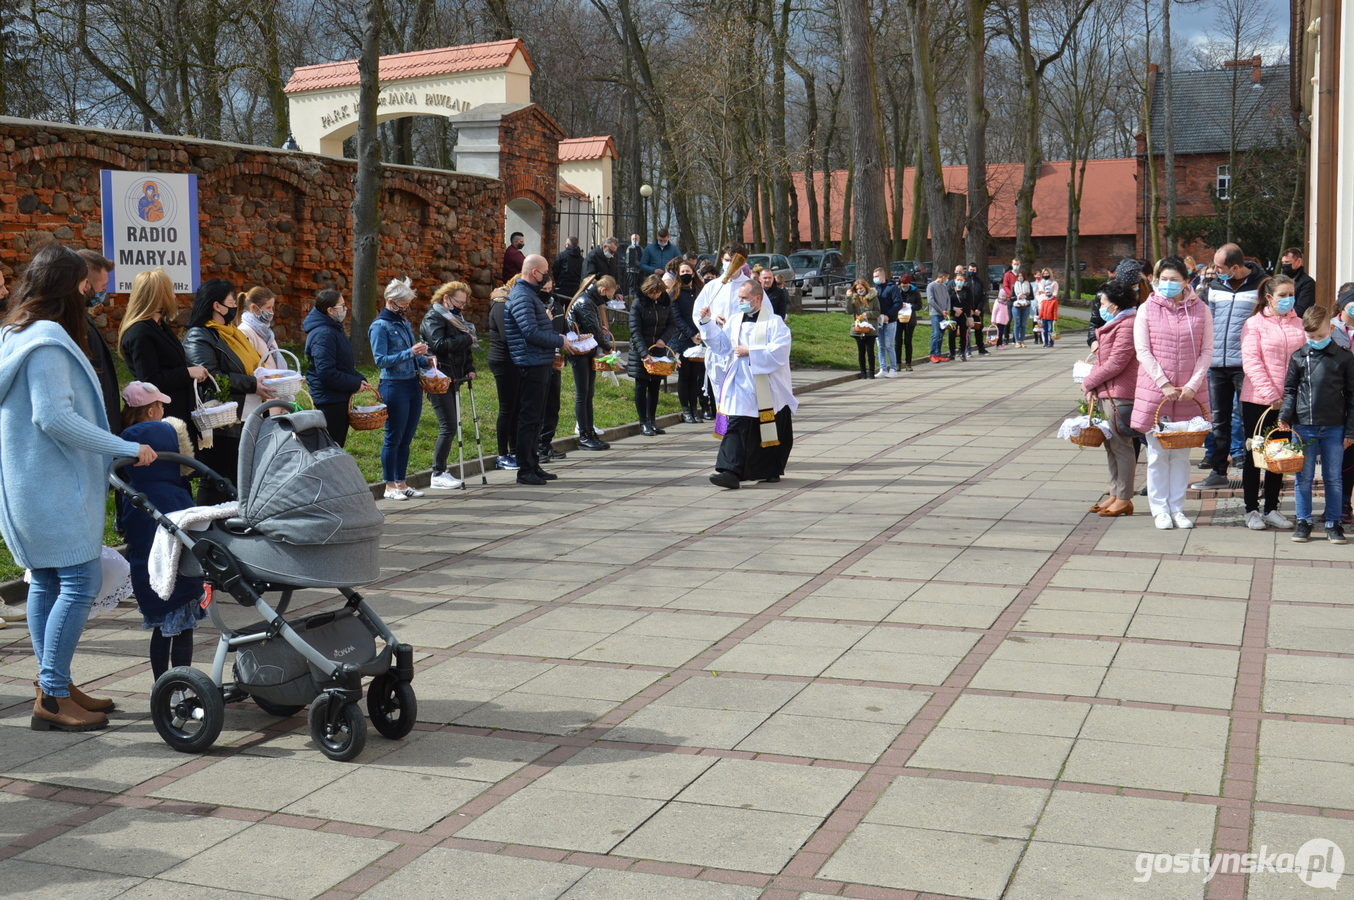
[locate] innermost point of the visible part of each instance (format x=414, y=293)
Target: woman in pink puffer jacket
x=1269, y=337
x=1173, y=334
x=1114, y=379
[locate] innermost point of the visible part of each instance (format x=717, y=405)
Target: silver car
x=776, y=263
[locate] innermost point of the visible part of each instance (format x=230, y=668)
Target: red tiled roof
x=417, y=64
x=575, y=149
x=1108, y=203
x=568, y=190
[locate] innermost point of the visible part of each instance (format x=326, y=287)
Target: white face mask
x=338, y=313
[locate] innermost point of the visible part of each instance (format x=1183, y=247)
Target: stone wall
x=270, y=217
x=529, y=166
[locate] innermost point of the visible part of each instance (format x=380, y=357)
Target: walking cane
x=474, y=417
x=460, y=446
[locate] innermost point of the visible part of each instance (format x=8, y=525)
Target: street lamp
x=645, y=192
x=290, y=143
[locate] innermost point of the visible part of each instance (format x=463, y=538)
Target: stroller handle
x=141, y=502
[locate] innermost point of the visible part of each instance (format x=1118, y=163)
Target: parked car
x=818, y=268
x=776, y=263
x=994, y=276
x=850, y=271
x=928, y=269
x=905, y=267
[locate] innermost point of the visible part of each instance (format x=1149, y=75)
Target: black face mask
x=229, y=314
x=685, y=277
x=1286, y=269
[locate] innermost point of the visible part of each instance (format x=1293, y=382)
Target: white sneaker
x=1164, y=522
x=393, y=494
x=1181, y=520
x=880, y=374
x=1278, y=520
x=13, y=612
x=411, y=493
x=446, y=482
x=1255, y=521
x=891, y=373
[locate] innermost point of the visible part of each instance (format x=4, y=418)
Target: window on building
x=1224, y=182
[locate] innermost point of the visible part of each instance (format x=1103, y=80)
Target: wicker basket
x=368, y=419
x=600, y=365
x=558, y=364
x=1287, y=465
x=434, y=384
x=1091, y=435
x=1177, y=440
x=659, y=366
x=216, y=415
x=290, y=380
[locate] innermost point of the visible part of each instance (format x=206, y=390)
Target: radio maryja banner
x=150, y=222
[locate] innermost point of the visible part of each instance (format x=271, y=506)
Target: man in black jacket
x=95, y=289
x=1304, y=284
x=961, y=307
x=780, y=301
x=977, y=292
x=601, y=260
x=569, y=268
x=634, y=272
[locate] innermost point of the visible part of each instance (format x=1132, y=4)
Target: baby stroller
x=307, y=520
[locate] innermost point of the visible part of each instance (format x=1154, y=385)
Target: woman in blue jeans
x=54, y=454
x=400, y=358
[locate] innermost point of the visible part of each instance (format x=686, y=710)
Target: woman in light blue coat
x=55, y=448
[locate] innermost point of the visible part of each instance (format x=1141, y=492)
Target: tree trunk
x=1153, y=240
x=780, y=161
x=277, y=100
x=366, y=198
x=1168, y=123
x=811, y=130
x=828, y=182
x=945, y=241
x=845, y=245
x=868, y=200
x=978, y=241
x=1025, y=213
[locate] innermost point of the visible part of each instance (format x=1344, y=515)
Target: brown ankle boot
x=63, y=714
x=86, y=702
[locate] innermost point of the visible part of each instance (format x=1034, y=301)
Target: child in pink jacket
x=1268, y=340
x=1173, y=334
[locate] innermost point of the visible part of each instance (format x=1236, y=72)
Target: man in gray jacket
x=938, y=305
x=1231, y=297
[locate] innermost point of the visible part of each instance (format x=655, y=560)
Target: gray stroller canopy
x=298, y=486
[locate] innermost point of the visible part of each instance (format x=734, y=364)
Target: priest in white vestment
x=751, y=351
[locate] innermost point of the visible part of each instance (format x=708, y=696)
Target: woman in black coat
x=332, y=375
x=214, y=343
x=451, y=339
x=587, y=316
x=151, y=349
x=507, y=379
x=652, y=324
x=691, y=375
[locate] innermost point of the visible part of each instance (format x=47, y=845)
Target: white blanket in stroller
x=164, y=553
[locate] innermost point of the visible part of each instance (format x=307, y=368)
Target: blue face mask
x=879, y=282
x=1224, y=276
x=1285, y=305
x=1319, y=345
x=1170, y=289
x=1107, y=316
x=98, y=298
x=745, y=306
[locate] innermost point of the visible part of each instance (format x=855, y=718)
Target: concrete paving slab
x=444, y=874
x=751, y=840
x=966, y=807
x=940, y=862
x=141, y=842
x=41, y=881
x=568, y=820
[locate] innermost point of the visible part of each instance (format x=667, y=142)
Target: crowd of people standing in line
x=1175, y=343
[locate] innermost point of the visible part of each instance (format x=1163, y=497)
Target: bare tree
x=366, y=198
x=871, y=220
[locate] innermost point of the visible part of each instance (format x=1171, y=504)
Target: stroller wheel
x=392, y=706
x=188, y=709
x=276, y=709
x=345, y=737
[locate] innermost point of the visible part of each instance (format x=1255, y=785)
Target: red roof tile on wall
x=420, y=63
x=575, y=149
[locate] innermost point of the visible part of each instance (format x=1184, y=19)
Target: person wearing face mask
x=603, y=260
x=1304, y=284
x=148, y=344
x=634, y=271
x=657, y=254
x=961, y=312
x=1022, y=295
x=95, y=289
x=691, y=375
x=652, y=324
x=1231, y=298
x=890, y=300
x=1046, y=297
x=256, y=324
x=533, y=343
x=1268, y=340
x=1173, y=337
x=588, y=315
x=865, y=302
x=513, y=255
x=331, y=375
x=1114, y=379
x=938, y=308
x=978, y=307
x=752, y=348
x=908, y=312
x=401, y=358
x=451, y=341
x=214, y=343
x=1318, y=405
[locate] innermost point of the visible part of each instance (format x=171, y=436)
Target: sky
x=1198, y=21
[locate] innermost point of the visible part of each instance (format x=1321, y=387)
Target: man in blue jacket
x=532, y=343
x=1231, y=298
x=657, y=254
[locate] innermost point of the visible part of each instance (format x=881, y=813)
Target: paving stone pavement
x=915, y=668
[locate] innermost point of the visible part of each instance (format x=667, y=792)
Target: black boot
x=688, y=417
x=590, y=441
x=653, y=426
x=646, y=429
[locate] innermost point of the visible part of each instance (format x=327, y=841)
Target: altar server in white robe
x=752, y=349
